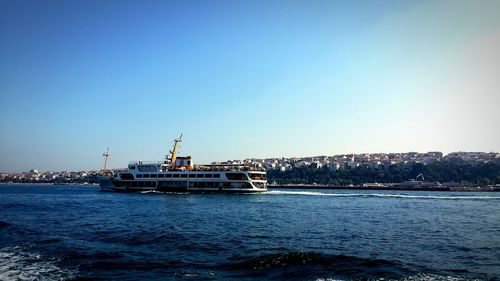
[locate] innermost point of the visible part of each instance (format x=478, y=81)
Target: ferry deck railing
x=206, y=167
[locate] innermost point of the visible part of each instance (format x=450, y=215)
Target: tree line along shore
x=437, y=175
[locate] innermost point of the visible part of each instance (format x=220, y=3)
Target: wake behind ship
x=179, y=174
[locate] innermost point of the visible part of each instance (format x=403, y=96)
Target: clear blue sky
x=244, y=79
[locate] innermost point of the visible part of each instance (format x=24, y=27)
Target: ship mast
x=173, y=153
x=105, y=155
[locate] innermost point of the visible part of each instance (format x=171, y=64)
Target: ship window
x=126, y=176
x=189, y=163
x=256, y=176
x=176, y=175
x=199, y=175
x=132, y=167
x=146, y=175
x=154, y=176
x=168, y=175
x=192, y=175
x=161, y=175
x=208, y=175
x=184, y=175
x=236, y=176
x=139, y=176
x=216, y=175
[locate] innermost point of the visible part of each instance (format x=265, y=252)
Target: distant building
x=316, y=165
x=333, y=166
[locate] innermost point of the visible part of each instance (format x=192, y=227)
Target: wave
x=16, y=230
x=422, y=277
x=304, y=258
x=162, y=192
x=383, y=195
x=4, y=224
x=299, y=265
x=437, y=277
x=312, y=265
x=145, y=238
x=151, y=191
x=129, y=265
x=16, y=263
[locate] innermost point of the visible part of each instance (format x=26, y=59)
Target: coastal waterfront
x=460, y=171
x=77, y=232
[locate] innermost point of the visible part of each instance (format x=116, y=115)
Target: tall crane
x=173, y=153
x=105, y=155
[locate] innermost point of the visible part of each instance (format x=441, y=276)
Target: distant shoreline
x=313, y=186
x=48, y=183
x=445, y=188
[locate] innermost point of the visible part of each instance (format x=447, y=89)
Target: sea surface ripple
x=77, y=232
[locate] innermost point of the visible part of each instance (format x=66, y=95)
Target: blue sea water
x=80, y=233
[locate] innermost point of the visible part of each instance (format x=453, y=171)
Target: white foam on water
x=150, y=191
x=163, y=192
x=383, y=195
x=418, y=277
x=435, y=277
x=18, y=264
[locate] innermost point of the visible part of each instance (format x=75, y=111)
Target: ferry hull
x=114, y=186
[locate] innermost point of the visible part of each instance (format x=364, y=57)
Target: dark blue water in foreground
x=80, y=233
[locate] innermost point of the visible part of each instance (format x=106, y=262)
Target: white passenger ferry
x=179, y=174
